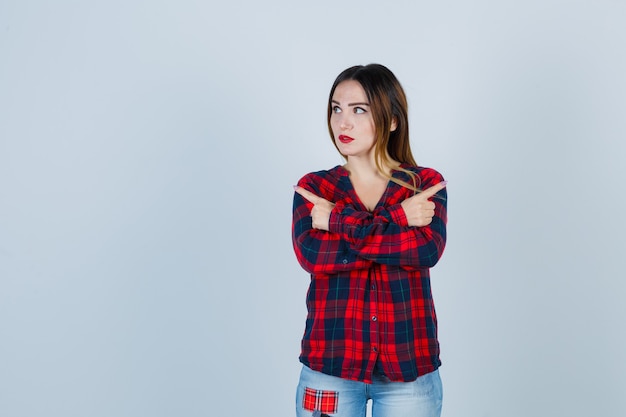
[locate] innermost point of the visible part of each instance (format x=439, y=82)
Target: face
x=351, y=120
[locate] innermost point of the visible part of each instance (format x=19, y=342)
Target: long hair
x=388, y=104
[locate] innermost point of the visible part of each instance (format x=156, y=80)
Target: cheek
x=334, y=125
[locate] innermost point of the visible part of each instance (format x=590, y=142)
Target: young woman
x=368, y=232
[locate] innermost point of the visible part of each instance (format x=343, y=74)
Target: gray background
x=147, y=154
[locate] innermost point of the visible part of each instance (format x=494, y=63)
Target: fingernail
x=295, y=186
x=444, y=183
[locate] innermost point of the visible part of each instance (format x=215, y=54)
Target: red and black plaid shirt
x=369, y=298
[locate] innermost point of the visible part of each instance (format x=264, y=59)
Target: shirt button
x=374, y=349
x=345, y=261
x=374, y=318
x=373, y=287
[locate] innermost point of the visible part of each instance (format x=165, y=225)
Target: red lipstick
x=345, y=139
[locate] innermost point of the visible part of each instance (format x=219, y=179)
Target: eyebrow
x=352, y=104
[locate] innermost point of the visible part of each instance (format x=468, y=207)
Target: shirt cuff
x=334, y=221
x=398, y=215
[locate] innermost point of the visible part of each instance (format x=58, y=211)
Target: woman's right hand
x=320, y=214
x=419, y=210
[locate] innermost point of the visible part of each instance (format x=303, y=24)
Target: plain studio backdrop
x=147, y=155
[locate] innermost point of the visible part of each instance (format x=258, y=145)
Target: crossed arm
x=330, y=238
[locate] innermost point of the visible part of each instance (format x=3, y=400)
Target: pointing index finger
x=309, y=196
x=429, y=192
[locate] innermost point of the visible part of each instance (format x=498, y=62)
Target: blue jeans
x=320, y=394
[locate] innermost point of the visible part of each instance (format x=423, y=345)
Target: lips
x=345, y=139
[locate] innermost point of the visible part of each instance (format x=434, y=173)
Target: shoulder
x=426, y=176
x=329, y=184
x=318, y=178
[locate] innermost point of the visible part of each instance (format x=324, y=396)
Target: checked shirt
x=369, y=298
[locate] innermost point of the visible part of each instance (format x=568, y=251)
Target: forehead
x=349, y=91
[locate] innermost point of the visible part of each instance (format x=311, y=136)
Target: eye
x=336, y=109
x=359, y=110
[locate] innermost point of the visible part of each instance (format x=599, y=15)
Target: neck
x=365, y=168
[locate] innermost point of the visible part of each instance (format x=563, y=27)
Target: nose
x=346, y=122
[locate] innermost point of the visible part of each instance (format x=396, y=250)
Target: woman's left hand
x=419, y=210
x=320, y=213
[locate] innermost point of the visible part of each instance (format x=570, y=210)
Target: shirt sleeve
x=319, y=251
x=384, y=236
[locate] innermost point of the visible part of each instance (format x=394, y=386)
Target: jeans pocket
x=427, y=386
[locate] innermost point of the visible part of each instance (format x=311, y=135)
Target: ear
x=394, y=124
